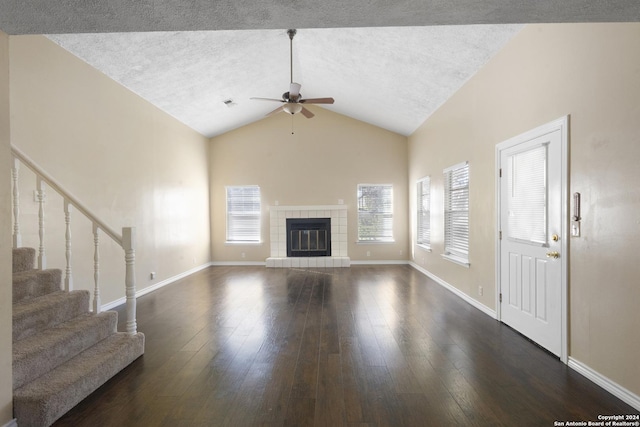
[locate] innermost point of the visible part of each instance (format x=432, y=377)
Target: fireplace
x=308, y=237
x=336, y=236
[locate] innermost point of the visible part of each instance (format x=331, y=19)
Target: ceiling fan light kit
x=292, y=108
x=292, y=100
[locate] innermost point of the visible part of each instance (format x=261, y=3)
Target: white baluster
x=96, y=270
x=129, y=245
x=42, y=256
x=17, y=237
x=68, y=278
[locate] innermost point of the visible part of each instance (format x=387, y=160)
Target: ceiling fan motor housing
x=288, y=98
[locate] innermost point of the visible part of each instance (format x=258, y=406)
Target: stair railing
x=126, y=240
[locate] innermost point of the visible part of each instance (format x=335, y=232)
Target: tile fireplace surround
x=278, y=236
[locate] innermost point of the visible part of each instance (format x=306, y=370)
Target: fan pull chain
x=292, y=132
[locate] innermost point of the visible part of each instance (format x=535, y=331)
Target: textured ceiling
x=390, y=77
x=387, y=64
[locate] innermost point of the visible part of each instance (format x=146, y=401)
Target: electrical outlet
x=368, y=253
x=480, y=290
x=243, y=255
x=152, y=275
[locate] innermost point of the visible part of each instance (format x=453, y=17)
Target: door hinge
x=500, y=296
x=500, y=172
x=500, y=234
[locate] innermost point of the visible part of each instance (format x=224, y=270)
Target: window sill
x=238, y=242
x=424, y=248
x=457, y=260
x=374, y=242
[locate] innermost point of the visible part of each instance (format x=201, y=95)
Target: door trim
x=561, y=124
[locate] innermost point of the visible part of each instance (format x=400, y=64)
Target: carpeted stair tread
x=36, y=314
x=61, y=351
x=35, y=283
x=44, y=400
x=44, y=351
x=23, y=259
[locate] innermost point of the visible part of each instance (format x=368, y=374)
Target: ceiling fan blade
x=308, y=114
x=294, y=90
x=267, y=99
x=317, y=101
x=277, y=110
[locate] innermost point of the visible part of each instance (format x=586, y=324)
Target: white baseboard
x=170, y=280
x=12, y=423
x=381, y=262
x=233, y=263
x=456, y=291
x=113, y=304
x=155, y=286
x=612, y=387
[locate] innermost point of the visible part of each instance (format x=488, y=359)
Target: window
x=375, y=213
x=424, y=212
x=243, y=214
x=526, y=174
x=456, y=213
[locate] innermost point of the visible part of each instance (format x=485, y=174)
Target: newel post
x=129, y=246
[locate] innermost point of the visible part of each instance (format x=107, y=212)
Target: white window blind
x=424, y=212
x=456, y=215
x=527, y=199
x=243, y=213
x=375, y=213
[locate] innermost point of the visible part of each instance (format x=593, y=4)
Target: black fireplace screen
x=308, y=237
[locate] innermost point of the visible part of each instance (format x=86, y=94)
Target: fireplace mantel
x=278, y=224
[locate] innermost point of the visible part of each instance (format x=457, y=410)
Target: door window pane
x=527, y=198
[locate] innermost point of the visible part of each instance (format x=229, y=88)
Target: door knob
x=553, y=254
x=555, y=238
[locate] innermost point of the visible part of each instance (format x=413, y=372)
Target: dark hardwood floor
x=360, y=346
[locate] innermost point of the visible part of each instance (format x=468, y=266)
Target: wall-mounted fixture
x=575, y=220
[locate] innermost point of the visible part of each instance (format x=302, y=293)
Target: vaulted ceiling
x=390, y=65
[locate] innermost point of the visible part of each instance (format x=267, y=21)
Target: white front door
x=532, y=235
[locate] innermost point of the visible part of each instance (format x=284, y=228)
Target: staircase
x=62, y=352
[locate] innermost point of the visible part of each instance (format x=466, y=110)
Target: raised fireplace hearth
x=336, y=240
x=308, y=237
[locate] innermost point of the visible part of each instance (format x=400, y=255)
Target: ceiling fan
x=292, y=100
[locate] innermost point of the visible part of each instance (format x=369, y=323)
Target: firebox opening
x=308, y=237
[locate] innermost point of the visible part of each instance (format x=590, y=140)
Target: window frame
x=423, y=237
x=456, y=210
x=256, y=233
x=385, y=233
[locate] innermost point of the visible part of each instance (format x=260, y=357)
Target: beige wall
x=6, y=390
x=130, y=163
x=324, y=161
x=592, y=73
